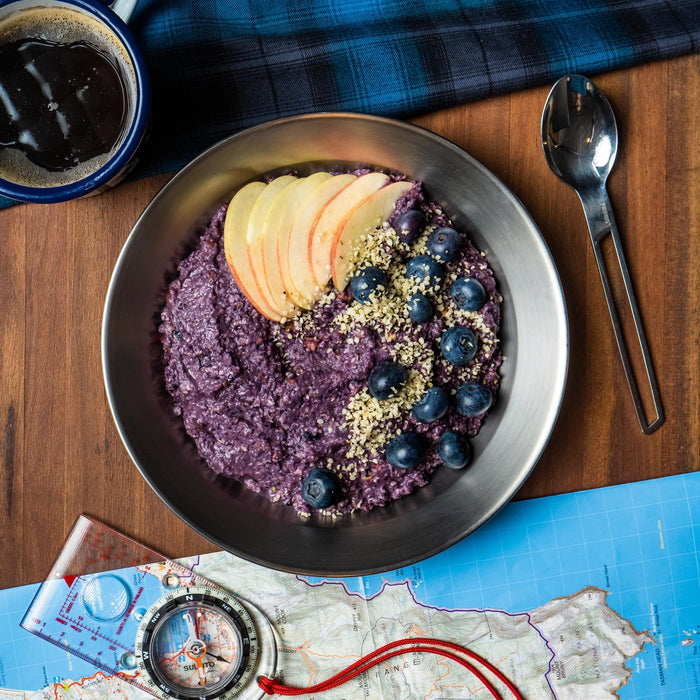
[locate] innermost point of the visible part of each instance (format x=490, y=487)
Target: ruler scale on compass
x=156, y=624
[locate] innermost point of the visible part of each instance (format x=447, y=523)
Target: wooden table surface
x=60, y=454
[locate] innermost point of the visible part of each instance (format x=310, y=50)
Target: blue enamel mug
x=74, y=98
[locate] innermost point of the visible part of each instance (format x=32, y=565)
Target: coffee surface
x=60, y=104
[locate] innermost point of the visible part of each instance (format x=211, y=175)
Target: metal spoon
x=579, y=138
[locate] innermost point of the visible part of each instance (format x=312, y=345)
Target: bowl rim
x=286, y=561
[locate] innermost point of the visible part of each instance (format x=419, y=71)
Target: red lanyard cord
x=431, y=646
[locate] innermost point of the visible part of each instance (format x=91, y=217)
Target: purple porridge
x=266, y=402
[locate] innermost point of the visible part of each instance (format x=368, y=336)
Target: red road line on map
x=77, y=683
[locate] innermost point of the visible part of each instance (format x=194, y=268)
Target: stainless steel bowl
x=534, y=340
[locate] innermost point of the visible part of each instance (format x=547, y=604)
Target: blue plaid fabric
x=218, y=66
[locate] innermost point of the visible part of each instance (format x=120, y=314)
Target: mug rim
x=116, y=165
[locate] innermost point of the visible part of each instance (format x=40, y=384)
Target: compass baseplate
x=150, y=621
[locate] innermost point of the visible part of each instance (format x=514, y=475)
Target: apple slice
x=365, y=217
x=325, y=228
x=298, y=275
x=236, y=246
x=276, y=228
x=254, y=235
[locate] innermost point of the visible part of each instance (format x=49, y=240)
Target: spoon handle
x=601, y=223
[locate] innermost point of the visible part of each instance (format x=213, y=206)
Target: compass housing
x=197, y=642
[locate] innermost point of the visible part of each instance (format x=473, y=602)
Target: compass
x=198, y=642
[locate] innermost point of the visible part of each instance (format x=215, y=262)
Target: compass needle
x=191, y=626
x=218, y=642
x=201, y=671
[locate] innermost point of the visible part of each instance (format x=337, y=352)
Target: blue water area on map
x=29, y=663
x=638, y=541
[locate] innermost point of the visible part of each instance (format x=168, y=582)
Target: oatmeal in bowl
x=360, y=401
x=345, y=389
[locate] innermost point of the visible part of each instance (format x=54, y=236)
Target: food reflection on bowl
x=533, y=336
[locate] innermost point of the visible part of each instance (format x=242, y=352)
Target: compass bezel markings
x=231, y=611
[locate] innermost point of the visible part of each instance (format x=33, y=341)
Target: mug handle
x=122, y=8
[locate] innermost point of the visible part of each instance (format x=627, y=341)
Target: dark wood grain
x=60, y=454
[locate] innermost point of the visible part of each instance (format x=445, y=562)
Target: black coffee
x=68, y=95
x=61, y=104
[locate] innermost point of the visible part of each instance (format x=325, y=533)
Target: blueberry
x=432, y=406
x=468, y=293
x=454, y=450
x=406, y=450
x=410, y=225
x=458, y=345
x=422, y=267
x=367, y=280
x=444, y=243
x=473, y=399
x=420, y=310
x=321, y=488
x=386, y=379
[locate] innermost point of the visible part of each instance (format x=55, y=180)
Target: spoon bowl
x=579, y=139
x=580, y=142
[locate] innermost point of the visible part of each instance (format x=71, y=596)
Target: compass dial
x=197, y=642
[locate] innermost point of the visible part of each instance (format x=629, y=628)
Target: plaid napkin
x=222, y=65
x=218, y=66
